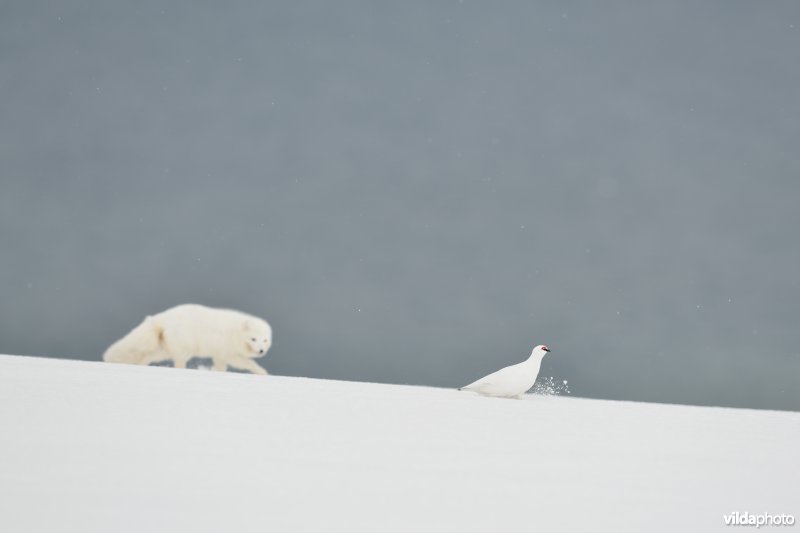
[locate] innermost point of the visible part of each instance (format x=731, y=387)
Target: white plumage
x=512, y=381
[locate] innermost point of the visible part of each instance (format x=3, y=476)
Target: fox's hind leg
x=158, y=352
x=154, y=357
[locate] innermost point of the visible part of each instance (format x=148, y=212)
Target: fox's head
x=257, y=336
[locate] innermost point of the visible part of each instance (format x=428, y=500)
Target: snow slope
x=95, y=447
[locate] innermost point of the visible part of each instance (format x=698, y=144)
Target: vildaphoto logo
x=764, y=519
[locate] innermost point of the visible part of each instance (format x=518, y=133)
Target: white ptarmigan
x=512, y=381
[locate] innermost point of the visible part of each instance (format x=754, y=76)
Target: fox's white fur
x=230, y=338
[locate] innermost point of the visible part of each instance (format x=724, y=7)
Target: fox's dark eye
x=253, y=339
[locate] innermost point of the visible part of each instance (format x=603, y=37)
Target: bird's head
x=541, y=350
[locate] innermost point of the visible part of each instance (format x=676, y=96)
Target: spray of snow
x=549, y=386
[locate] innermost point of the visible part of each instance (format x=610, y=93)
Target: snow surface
x=97, y=447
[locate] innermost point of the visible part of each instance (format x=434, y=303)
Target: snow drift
x=94, y=447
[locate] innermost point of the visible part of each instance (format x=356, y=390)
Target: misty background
x=415, y=192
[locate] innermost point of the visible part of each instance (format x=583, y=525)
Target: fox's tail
x=142, y=340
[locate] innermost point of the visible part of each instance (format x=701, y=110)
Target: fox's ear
x=245, y=325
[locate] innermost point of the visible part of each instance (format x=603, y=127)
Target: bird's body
x=511, y=381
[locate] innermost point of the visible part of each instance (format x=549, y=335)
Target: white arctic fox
x=229, y=337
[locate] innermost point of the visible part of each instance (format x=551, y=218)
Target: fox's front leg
x=244, y=363
x=220, y=365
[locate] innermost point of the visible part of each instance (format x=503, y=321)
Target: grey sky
x=415, y=192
